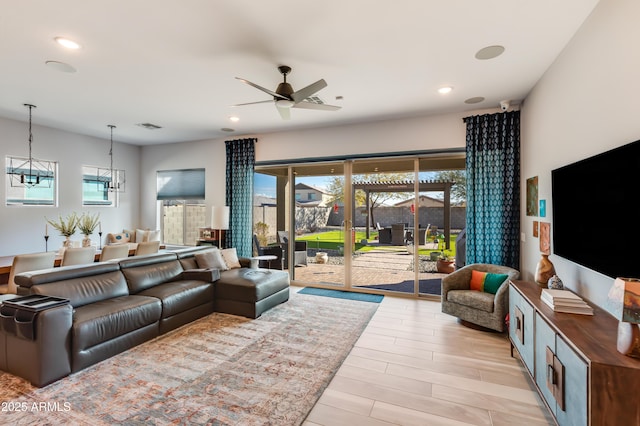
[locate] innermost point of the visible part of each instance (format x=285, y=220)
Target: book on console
x=566, y=304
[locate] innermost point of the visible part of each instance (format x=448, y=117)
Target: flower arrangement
x=87, y=223
x=67, y=226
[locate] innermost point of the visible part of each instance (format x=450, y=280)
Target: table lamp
x=624, y=299
x=220, y=220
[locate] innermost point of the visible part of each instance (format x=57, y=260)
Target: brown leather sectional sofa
x=114, y=306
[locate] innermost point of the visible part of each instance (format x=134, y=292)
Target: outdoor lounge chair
x=300, y=252
x=397, y=234
x=276, y=251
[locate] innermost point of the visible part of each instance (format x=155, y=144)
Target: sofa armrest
x=209, y=275
x=44, y=357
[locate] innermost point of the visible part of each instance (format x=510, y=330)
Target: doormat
x=339, y=294
x=431, y=286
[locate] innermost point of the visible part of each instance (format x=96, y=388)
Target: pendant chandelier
x=31, y=172
x=112, y=179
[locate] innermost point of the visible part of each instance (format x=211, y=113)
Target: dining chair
x=147, y=247
x=27, y=262
x=114, y=251
x=78, y=256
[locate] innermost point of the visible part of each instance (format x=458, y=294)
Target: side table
x=256, y=259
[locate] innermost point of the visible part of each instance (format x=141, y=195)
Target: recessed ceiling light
x=234, y=118
x=60, y=66
x=475, y=100
x=445, y=89
x=489, y=52
x=69, y=44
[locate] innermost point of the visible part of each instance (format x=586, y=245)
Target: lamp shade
x=624, y=299
x=220, y=217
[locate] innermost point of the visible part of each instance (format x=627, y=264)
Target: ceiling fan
x=285, y=98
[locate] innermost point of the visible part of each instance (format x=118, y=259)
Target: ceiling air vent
x=149, y=126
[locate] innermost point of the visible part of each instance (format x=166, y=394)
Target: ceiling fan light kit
x=284, y=97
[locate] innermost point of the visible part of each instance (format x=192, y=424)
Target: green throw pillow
x=486, y=281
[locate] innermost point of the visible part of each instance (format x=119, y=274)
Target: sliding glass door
x=372, y=225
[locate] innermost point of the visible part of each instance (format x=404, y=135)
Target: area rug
x=219, y=370
x=431, y=286
x=350, y=295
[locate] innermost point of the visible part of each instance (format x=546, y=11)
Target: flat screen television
x=596, y=222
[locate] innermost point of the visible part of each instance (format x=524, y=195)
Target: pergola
x=408, y=186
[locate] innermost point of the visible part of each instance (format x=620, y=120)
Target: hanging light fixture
x=31, y=172
x=113, y=180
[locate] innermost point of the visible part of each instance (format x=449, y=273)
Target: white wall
x=22, y=228
x=586, y=103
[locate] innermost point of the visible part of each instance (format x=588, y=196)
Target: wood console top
x=593, y=337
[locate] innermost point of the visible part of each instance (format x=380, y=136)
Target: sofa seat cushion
x=180, y=296
x=107, y=319
x=475, y=299
x=250, y=285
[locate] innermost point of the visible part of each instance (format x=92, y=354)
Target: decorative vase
x=445, y=266
x=86, y=241
x=555, y=283
x=67, y=242
x=544, y=271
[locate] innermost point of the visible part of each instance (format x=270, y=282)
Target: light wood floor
x=414, y=365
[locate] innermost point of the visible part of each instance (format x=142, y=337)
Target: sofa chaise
x=108, y=307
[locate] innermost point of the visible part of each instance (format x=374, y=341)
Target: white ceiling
x=173, y=63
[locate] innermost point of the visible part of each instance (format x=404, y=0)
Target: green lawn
x=332, y=240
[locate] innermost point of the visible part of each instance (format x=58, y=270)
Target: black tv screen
x=595, y=219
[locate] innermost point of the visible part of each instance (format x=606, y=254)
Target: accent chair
x=477, y=307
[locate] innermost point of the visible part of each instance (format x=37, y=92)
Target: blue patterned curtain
x=493, y=189
x=241, y=159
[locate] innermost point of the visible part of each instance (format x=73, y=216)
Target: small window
x=30, y=183
x=311, y=196
x=95, y=187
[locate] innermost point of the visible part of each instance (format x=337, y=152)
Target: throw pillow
x=211, y=259
x=230, y=256
x=486, y=281
x=132, y=235
x=118, y=238
x=142, y=236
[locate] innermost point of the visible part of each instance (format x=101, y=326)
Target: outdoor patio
x=390, y=267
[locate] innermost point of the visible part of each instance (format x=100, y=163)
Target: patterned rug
x=219, y=370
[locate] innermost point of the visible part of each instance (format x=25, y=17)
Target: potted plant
x=66, y=227
x=444, y=264
x=87, y=224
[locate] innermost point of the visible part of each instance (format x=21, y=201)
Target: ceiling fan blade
x=312, y=105
x=311, y=89
x=254, y=103
x=285, y=113
x=272, y=93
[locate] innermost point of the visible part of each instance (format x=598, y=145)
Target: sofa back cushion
x=82, y=284
x=145, y=272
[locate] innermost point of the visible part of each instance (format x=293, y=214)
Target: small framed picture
x=535, y=228
x=543, y=208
